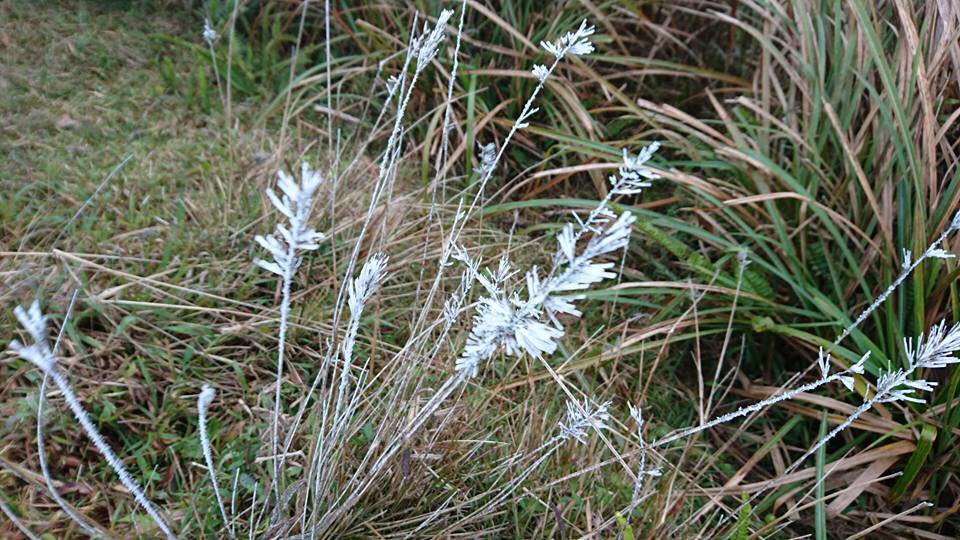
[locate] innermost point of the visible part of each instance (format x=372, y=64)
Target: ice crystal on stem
x=514, y=324
x=581, y=417
x=295, y=204
x=209, y=34
x=40, y=354
x=575, y=43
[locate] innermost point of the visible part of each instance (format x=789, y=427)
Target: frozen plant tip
x=207, y=393
x=209, y=34
x=934, y=352
x=581, y=417
x=295, y=204
x=637, y=416
x=514, y=324
x=488, y=158
x=40, y=354
x=635, y=175
x=541, y=72
x=426, y=45
x=575, y=43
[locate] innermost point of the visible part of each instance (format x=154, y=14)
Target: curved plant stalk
x=39, y=354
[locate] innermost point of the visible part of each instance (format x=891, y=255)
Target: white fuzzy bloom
x=581, y=417
x=40, y=354
x=366, y=283
x=209, y=34
x=207, y=393
x=541, y=72
x=634, y=176
x=488, y=158
x=295, y=204
x=575, y=43
x=517, y=325
x=426, y=45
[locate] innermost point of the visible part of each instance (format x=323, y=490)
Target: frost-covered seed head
x=488, y=158
x=581, y=417
x=209, y=34
x=207, y=393
x=575, y=43
x=366, y=283
x=426, y=45
x=541, y=72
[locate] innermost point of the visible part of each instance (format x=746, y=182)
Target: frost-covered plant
x=507, y=321
x=285, y=246
x=582, y=417
x=209, y=34
x=576, y=43
x=513, y=324
x=637, y=414
x=39, y=353
x=935, y=351
x=204, y=399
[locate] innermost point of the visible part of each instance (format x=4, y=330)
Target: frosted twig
x=204, y=400
x=285, y=245
x=39, y=354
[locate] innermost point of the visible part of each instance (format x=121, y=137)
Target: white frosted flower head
x=541, y=72
x=907, y=259
x=426, y=45
x=582, y=417
x=634, y=175
x=367, y=282
x=936, y=350
x=516, y=325
x=209, y=34
x=637, y=414
x=207, y=393
x=487, y=157
x=576, y=43
x=295, y=203
x=743, y=259
x=34, y=322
